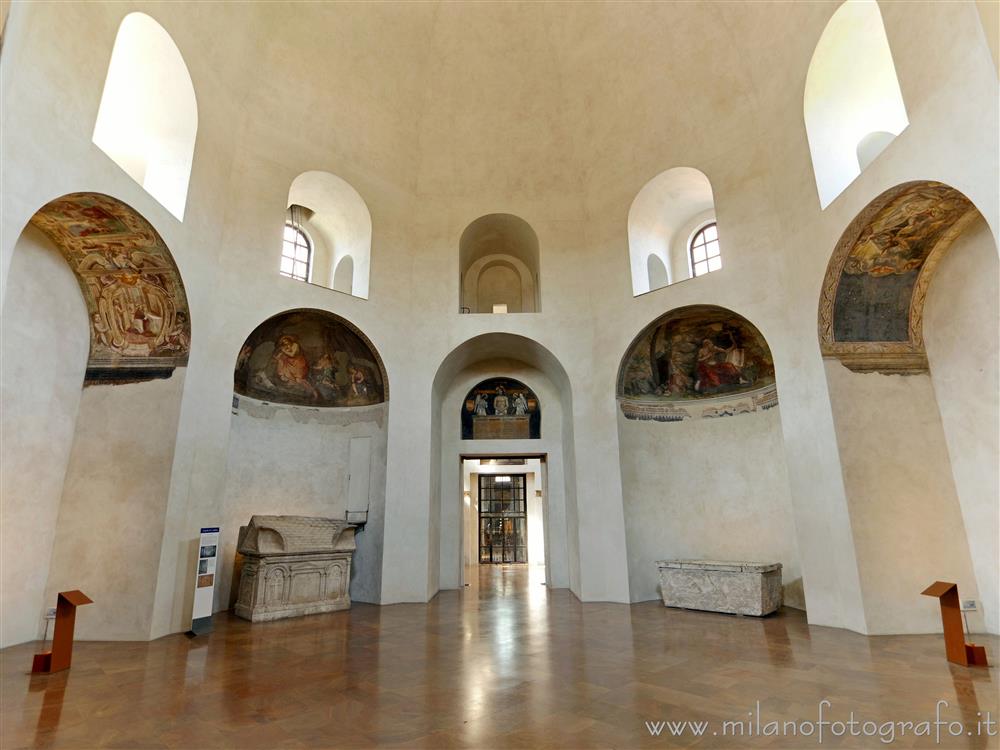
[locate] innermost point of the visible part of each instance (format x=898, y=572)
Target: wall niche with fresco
x=310, y=358
x=501, y=409
x=697, y=361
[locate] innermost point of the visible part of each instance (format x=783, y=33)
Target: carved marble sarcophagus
x=740, y=588
x=293, y=566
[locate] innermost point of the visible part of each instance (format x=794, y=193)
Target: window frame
x=698, y=233
x=295, y=244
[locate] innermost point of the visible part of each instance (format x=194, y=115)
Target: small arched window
x=704, y=250
x=296, y=254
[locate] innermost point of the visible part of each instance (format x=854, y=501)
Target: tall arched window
x=704, y=250
x=296, y=254
x=853, y=107
x=148, y=118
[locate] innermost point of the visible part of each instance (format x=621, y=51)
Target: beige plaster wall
x=905, y=513
x=287, y=460
x=962, y=334
x=709, y=489
x=45, y=341
x=111, y=516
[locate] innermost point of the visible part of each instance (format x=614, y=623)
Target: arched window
x=853, y=106
x=704, y=250
x=296, y=254
x=148, y=118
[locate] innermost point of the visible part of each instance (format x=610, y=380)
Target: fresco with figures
x=696, y=361
x=139, y=323
x=873, y=297
x=501, y=409
x=310, y=358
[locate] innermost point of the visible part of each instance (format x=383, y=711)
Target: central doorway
x=503, y=518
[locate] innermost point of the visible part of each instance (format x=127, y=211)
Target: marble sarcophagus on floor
x=741, y=588
x=294, y=565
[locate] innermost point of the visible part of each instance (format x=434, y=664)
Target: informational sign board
x=204, y=585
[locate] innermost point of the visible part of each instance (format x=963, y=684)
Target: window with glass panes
x=705, y=255
x=503, y=518
x=295, y=254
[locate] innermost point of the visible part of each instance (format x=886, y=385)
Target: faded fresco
x=501, y=409
x=139, y=323
x=309, y=358
x=876, y=286
x=694, y=355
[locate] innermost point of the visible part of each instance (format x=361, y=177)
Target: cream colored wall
x=708, y=489
x=905, y=513
x=961, y=333
x=114, y=500
x=45, y=342
x=483, y=108
x=287, y=460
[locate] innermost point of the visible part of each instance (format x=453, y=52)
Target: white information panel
x=204, y=585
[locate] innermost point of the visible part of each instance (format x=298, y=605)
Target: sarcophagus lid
x=294, y=535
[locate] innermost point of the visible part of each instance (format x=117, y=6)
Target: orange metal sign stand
x=61, y=655
x=957, y=650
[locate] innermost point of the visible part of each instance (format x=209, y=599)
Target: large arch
x=148, y=119
x=918, y=453
x=109, y=443
x=498, y=265
x=307, y=436
x=701, y=448
x=510, y=355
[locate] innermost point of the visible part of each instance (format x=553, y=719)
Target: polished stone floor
x=506, y=663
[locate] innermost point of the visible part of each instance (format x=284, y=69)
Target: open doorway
x=503, y=513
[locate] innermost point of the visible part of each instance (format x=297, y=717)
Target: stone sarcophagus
x=294, y=565
x=741, y=588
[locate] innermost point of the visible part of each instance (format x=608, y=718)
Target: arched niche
x=95, y=347
x=148, y=118
x=872, y=300
x=480, y=364
x=701, y=449
x=916, y=425
x=501, y=409
x=693, y=362
x=498, y=261
x=337, y=222
x=662, y=219
x=852, y=97
x=307, y=437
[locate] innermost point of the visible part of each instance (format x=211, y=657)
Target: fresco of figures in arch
x=309, y=358
x=501, y=408
x=693, y=354
x=133, y=291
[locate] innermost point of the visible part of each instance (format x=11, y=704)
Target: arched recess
x=336, y=218
x=701, y=448
x=661, y=221
x=307, y=437
x=498, y=264
x=853, y=106
x=918, y=453
x=82, y=464
x=485, y=358
x=148, y=118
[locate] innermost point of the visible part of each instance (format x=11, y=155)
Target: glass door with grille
x=503, y=518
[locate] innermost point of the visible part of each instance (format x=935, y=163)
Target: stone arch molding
x=871, y=308
x=140, y=326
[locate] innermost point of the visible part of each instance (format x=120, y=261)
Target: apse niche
x=308, y=437
x=853, y=106
x=908, y=326
x=701, y=449
x=148, y=118
x=96, y=335
x=498, y=265
x=327, y=238
x=665, y=239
